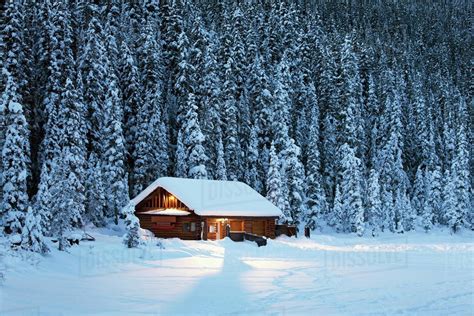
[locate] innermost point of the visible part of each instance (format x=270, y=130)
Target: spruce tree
x=462, y=183
x=95, y=199
x=193, y=140
x=114, y=169
x=274, y=185
x=352, y=212
x=67, y=203
x=15, y=160
x=315, y=195
x=221, y=171
x=453, y=217
x=293, y=172
x=181, y=160
x=337, y=217
x=251, y=173
x=131, y=98
x=418, y=192
x=374, y=204
x=132, y=237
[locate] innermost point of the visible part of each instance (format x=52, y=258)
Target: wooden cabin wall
x=259, y=226
x=254, y=225
x=160, y=199
x=155, y=224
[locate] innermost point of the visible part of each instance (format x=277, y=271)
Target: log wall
x=172, y=226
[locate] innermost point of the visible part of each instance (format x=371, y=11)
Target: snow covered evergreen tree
x=221, y=170
x=193, y=140
x=132, y=237
x=32, y=238
x=453, y=217
x=351, y=213
x=15, y=160
x=251, y=173
x=131, y=97
x=434, y=193
x=95, y=200
x=67, y=203
x=293, y=171
x=315, y=195
x=151, y=145
x=114, y=170
x=419, y=189
x=274, y=185
x=181, y=159
x=374, y=204
x=353, y=132
x=460, y=170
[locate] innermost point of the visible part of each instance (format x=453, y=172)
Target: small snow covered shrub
x=32, y=236
x=132, y=237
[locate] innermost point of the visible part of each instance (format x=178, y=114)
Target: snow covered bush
x=32, y=235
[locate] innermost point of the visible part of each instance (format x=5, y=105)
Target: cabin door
x=219, y=230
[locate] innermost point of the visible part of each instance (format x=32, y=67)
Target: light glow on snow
x=413, y=273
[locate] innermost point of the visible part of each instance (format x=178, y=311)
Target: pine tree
x=337, y=216
x=210, y=109
x=132, y=237
x=95, y=200
x=274, y=185
x=71, y=120
x=353, y=132
x=193, y=142
x=419, y=190
x=329, y=95
x=114, y=170
x=374, y=203
x=404, y=212
x=293, y=171
x=150, y=155
x=15, y=160
x=181, y=160
x=95, y=66
x=316, y=197
x=434, y=193
x=67, y=202
x=453, y=217
x=43, y=200
x=221, y=172
x=462, y=183
x=131, y=98
x=281, y=107
x=352, y=211
x=13, y=44
x=389, y=160
x=402, y=217
x=185, y=71
x=251, y=173
x=427, y=214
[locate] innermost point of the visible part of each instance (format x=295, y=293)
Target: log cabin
x=203, y=209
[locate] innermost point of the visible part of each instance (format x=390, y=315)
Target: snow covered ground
x=423, y=274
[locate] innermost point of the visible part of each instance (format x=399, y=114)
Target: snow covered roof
x=214, y=198
x=168, y=212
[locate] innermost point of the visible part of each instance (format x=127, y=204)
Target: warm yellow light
x=172, y=197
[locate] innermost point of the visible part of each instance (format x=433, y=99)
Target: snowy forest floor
x=415, y=273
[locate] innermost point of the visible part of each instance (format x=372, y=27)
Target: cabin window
x=212, y=228
x=193, y=227
x=186, y=227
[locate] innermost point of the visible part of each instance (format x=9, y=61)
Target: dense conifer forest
x=353, y=116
